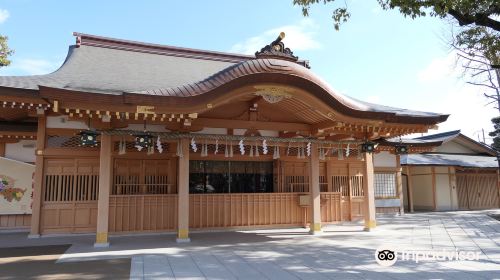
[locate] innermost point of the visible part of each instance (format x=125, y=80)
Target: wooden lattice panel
x=141, y=177
x=69, y=195
x=71, y=142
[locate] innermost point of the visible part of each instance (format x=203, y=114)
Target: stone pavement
x=341, y=252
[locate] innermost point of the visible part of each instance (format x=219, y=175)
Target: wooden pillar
x=38, y=178
x=328, y=174
x=452, y=184
x=369, y=193
x=399, y=184
x=434, y=204
x=498, y=183
x=105, y=181
x=183, y=193
x=2, y=149
x=314, y=191
x=410, y=189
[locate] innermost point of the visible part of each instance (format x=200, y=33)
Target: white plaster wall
x=149, y=127
x=212, y=130
x=384, y=159
x=63, y=122
x=452, y=147
x=269, y=133
x=422, y=188
x=239, y=131
x=23, y=150
x=443, y=192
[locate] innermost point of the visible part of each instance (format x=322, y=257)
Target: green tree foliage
x=496, y=134
x=5, y=51
x=478, y=19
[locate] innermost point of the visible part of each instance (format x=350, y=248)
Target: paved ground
x=39, y=262
x=341, y=252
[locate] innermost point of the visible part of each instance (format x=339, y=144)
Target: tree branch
x=481, y=19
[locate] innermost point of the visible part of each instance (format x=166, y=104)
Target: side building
x=459, y=174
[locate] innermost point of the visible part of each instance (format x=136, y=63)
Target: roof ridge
x=137, y=46
x=441, y=134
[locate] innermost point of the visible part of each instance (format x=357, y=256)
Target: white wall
x=23, y=150
x=63, y=122
x=422, y=188
x=453, y=147
x=446, y=191
x=384, y=159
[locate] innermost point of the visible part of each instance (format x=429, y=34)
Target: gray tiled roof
x=113, y=71
x=450, y=160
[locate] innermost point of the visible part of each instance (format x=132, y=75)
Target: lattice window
x=323, y=184
x=340, y=183
x=385, y=185
x=71, y=180
x=73, y=142
x=141, y=177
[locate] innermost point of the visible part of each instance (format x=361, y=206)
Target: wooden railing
x=134, y=213
x=241, y=210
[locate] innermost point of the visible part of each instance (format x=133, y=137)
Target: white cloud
x=299, y=37
x=29, y=66
x=4, y=15
x=467, y=109
x=439, y=69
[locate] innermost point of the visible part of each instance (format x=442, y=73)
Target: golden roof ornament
x=277, y=50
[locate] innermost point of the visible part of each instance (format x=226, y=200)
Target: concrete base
x=101, y=245
x=183, y=240
x=368, y=229
x=315, y=232
x=32, y=236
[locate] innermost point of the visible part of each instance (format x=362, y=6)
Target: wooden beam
x=399, y=183
x=434, y=202
x=38, y=179
x=105, y=182
x=225, y=123
x=314, y=190
x=369, y=193
x=2, y=149
x=183, y=193
x=410, y=189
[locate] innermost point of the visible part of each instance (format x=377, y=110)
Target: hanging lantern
x=368, y=147
x=88, y=138
x=143, y=140
x=401, y=149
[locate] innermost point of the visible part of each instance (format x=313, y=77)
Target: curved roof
x=119, y=67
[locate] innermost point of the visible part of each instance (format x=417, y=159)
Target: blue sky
x=378, y=56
